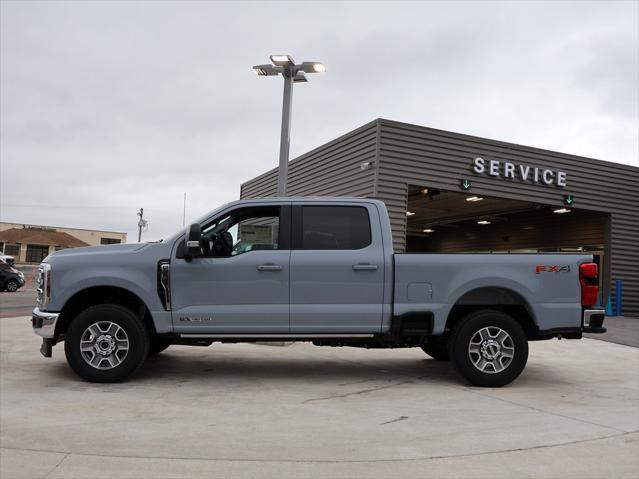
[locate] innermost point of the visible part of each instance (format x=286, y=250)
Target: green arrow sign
x=569, y=200
x=465, y=184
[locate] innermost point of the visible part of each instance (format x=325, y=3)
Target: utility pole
x=141, y=224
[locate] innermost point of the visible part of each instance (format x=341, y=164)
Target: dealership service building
x=448, y=192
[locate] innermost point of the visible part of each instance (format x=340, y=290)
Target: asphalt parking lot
x=304, y=411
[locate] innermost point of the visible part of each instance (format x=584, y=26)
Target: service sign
x=517, y=171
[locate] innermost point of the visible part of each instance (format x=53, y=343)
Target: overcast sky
x=107, y=107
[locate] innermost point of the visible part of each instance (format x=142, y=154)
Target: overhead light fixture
x=299, y=77
x=266, y=70
x=561, y=211
x=474, y=198
x=313, y=67
x=424, y=191
x=483, y=222
x=410, y=213
x=429, y=230
x=282, y=60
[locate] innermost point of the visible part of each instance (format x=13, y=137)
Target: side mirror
x=192, y=242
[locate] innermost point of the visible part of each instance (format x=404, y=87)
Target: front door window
x=243, y=230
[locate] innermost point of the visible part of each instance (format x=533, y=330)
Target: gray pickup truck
x=308, y=269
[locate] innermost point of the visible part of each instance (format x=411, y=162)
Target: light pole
x=285, y=65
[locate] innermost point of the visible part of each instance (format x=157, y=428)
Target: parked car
x=11, y=279
x=10, y=260
x=320, y=270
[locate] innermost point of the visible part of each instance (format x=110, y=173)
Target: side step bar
x=273, y=336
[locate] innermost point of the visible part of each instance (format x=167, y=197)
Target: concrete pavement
x=20, y=303
x=620, y=330
x=304, y=411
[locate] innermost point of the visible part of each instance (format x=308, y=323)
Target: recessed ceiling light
x=483, y=222
x=429, y=230
x=424, y=191
x=474, y=198
x=410, y=213
x=561, y=211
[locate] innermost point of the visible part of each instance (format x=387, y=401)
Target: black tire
x=157, y=344
x=438, y=351
x=469, y=329
x=138, y=343
x=12, y=286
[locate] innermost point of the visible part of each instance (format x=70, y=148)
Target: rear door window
x=335, y=228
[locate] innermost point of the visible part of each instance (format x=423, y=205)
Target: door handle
x=364, y=267
x=269, y=267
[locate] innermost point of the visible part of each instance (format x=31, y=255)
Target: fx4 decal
x=552, y=268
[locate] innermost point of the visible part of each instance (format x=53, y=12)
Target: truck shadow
x=177, y=367
x=213, y=369
x=295, y=369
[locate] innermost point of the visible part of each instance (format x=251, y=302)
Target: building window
x=1, y=246
x=110, y=241
x=36, y=253
x=12, y=249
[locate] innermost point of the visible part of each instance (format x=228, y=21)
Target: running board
x=273, y=336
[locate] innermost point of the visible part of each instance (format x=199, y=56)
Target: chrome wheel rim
x=104, y=345
x=12, y=286
x=491, y=350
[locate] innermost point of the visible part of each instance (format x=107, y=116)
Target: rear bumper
x=44, y=323
x=592, y=321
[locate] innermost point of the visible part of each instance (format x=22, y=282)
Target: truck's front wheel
x=106, y=343
x=489, y=348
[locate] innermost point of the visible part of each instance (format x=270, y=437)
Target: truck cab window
x=335, y=227
x=242, y=231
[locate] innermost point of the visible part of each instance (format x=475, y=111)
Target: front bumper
x=44, y=323
x=592, y=321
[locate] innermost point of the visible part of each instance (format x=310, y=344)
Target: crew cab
x=308, y=269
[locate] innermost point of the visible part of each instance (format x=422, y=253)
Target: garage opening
x=440, y=221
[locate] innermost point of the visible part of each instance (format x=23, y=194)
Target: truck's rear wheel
x=106, y=343
x=438, y=351
x=489, y=348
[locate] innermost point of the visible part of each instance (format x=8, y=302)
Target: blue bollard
x=608, y=307
x=618, y=290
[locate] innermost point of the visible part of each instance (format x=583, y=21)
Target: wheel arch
x=496, y=298
x=95, y=295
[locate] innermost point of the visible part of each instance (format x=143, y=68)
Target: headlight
x=44, y=285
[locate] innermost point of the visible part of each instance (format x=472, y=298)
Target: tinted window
x=335, y=227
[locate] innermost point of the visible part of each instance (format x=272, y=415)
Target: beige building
x=32, y=243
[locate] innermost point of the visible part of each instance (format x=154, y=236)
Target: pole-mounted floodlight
x=285, y=65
